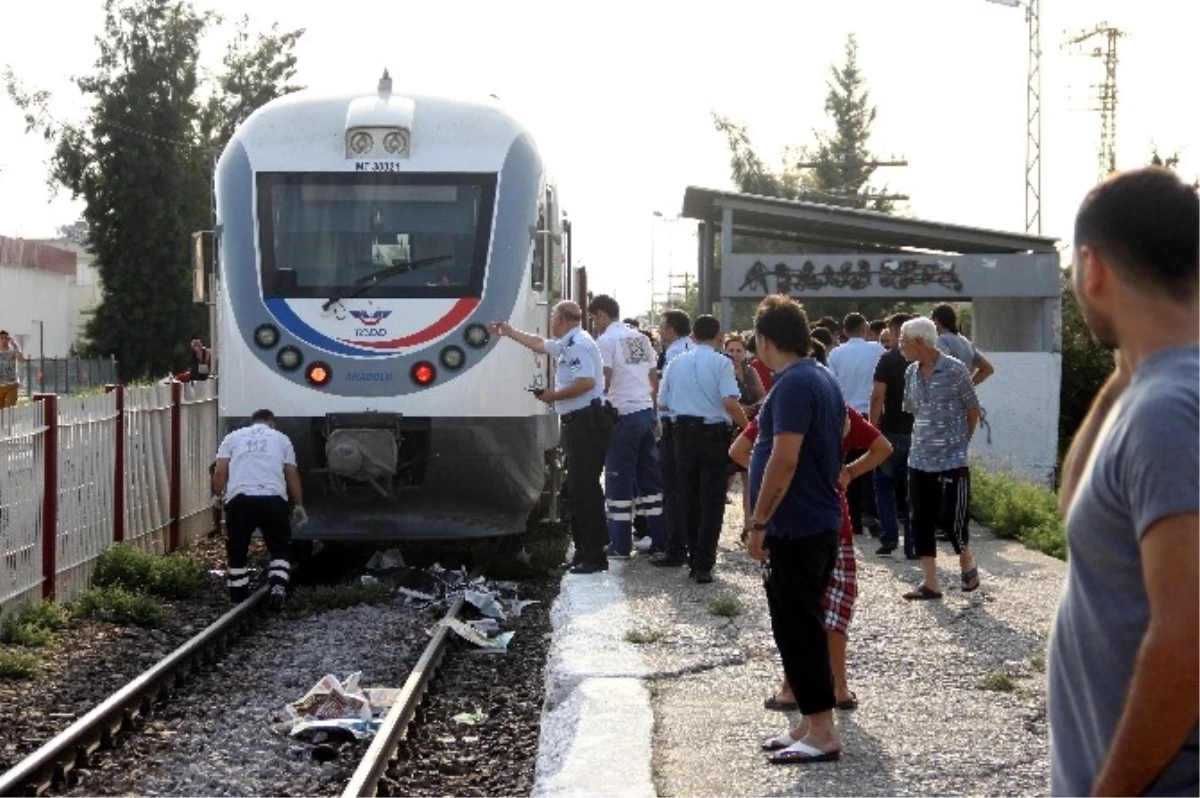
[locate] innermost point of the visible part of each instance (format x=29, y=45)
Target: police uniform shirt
x=677, y=347
x=627, y=353
x=696, y=382
x=576, y=356
x=256, y=455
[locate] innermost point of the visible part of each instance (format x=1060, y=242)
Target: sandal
x=779, y=743
x=777, y=705
x=922, y=593
x=970, y=579
x=802, y=754
x=849, y=704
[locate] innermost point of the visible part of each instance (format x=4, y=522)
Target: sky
x=619, y=97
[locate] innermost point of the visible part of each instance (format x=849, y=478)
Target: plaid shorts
x=838, y=601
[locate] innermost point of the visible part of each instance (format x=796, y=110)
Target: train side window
x=537, y=270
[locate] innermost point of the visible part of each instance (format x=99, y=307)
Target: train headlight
x=453, y=357
x=396, y=142
x=266, y=336
x=289, y=358
x=318, y=373
x=476, y=336
x=361, y=143
x=423, y=372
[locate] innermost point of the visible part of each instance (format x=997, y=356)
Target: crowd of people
x=802, y=415
x=837, y=427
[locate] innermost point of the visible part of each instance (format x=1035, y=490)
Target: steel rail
x=71, y=747
x=365, y=781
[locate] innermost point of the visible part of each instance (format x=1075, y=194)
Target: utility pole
x=1033, y=113
x=1107, y=90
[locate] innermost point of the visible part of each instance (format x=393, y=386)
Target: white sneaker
x=643, y=544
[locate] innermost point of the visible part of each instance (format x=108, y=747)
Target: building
x=36, y=283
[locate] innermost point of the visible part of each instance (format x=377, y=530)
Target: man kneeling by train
x=256, y=471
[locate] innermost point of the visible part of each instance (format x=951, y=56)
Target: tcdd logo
x=371, y=332
x=370, y=318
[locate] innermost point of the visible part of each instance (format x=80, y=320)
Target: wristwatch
x=758, y=526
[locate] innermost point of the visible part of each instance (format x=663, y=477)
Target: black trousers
x=702, y=460
x=940, y=499
x=795, y=577
x=585, y=439
x=244, y=514
x=677, y=541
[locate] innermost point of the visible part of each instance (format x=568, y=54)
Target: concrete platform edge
x=597, y=722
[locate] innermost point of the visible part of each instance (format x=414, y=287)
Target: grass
x=725, y=606
x=17, y=664
x=176, y=576
x=121, y=606
x=1038, y=664
x=1018, y=509
x=640, y=637
x=321, y=598
x=998, y=680
x=34, y=625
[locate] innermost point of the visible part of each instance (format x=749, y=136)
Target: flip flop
x=779, y=743
x=780, y=706
x=970, y=579
x=803, y=754
x=849, y=704
x=922, y=593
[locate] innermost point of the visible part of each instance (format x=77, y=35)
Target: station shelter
x=1012, y=280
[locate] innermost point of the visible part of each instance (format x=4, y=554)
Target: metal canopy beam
x=853, y=229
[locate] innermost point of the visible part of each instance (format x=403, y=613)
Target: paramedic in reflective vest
x=255, y=472
x=632, y=480
x=701, y=391
x=586, y=424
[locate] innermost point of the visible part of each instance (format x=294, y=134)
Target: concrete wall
x=1021, y=402
x=1016, y=324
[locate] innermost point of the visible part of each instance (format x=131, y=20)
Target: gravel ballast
x=951, y=693
x=226, y=731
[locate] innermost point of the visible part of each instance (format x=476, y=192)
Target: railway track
x=53, y=764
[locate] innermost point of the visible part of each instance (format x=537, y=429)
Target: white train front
x=365, y=241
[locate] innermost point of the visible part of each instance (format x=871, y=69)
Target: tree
x=141, y=163
x=842, y=163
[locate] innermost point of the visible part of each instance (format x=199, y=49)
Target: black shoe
x=656, y=551
x=883, y=551
x=669, y=562
x=588, y=567
x=703, y=577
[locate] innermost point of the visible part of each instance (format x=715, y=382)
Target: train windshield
x=336, y=235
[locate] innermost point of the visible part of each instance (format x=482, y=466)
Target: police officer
x=255, y=472
x=586, y=424
x=674, y=335
x=701, y=391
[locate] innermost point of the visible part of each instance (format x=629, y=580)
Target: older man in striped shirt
x=939, y=394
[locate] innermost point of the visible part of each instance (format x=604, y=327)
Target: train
x=363, y=241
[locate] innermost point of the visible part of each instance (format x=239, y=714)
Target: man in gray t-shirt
x=958, y=346
x=1125, y=648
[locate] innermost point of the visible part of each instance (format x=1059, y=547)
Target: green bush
x=34, y=624
x=17, y=664
x=1018, y=509
x=176, y=576
x=125, y=565
x=118, y=605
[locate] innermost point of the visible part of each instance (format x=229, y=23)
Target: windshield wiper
x=369, y=281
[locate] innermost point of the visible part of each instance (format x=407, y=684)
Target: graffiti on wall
x=852, y=275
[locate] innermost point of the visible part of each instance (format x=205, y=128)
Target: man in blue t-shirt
x=794, y=472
